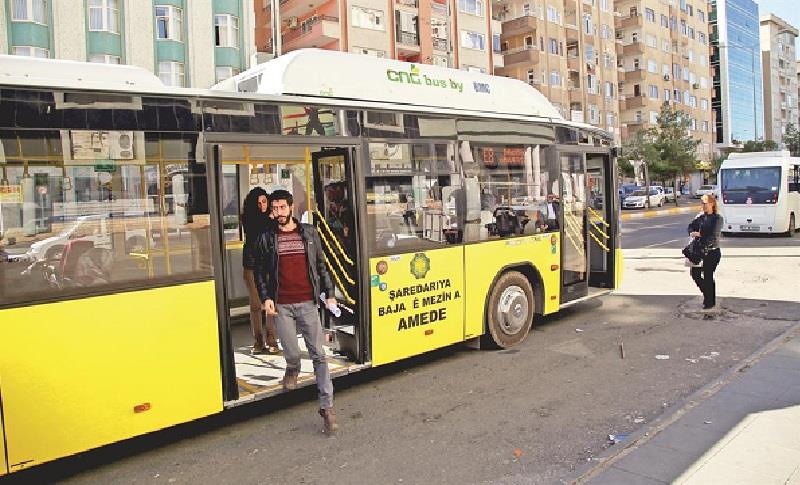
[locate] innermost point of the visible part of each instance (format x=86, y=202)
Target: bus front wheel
x=511, y=308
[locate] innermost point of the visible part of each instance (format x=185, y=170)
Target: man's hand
x=269, y=307
x=331, y=303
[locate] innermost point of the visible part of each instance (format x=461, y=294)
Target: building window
x=171, y=73
x=553, y=15
x=169, y=23
x=664, y=21
x=225, y=72
x=651, y=41
x=496, y=44
x=652, y=66
x=29, y=11
x=473, y=40
x=104, y=16
x=531, y=76
x=104, y=59
x=701, y=15
x=555, y=78
x=367, y=18
x=588, y=28
x=28, y=51
x=552, y=46
x=650, y=15
x=653, y=91
x=473, y=7
x=226, y=30
x=654, y=117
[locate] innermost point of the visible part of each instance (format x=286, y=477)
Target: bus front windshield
x=758, y=185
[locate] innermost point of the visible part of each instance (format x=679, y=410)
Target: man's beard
x=282, y=221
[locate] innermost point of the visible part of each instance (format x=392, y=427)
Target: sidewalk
x=742, y=429
x=687, y=209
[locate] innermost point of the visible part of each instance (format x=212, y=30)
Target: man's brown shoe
x=290, y=382
x=329, y=418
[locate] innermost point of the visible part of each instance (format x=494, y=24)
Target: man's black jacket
x=264, y=260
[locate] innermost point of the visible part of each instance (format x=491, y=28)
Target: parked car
x=705, y=189
x=669, y=194
x=625, y=190
x=637, y=200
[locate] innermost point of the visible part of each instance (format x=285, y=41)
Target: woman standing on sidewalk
x=707, y=226
x=255, y=220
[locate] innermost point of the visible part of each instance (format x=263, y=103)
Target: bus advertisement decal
x=420, y=292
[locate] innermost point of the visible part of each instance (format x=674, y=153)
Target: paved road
x=538, y=413
x=670, y=232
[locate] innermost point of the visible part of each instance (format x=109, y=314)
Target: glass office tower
x=736, y=58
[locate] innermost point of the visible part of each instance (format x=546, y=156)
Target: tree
x=639, y=147
x=760, y=146
x=677, y=150
x=792, y=139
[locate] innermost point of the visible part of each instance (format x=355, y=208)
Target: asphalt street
x=538, y=413
x=671, y=232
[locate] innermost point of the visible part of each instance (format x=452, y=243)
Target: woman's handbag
x=695, y=251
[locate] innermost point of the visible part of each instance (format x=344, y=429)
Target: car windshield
x=639, y=193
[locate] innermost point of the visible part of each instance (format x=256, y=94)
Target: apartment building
x=450, y=33
x=779, y=69
x=664, y=58
x=738, y=94
x=567, y=50
x=192, y=43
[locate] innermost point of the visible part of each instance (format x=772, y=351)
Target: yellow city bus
x=453, y=207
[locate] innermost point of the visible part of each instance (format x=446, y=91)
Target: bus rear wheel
x=511, y=309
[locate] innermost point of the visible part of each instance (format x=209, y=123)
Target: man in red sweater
x=291, y=274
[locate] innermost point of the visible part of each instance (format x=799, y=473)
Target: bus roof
x=342, y=75
x=760, y=159
x=315, y=76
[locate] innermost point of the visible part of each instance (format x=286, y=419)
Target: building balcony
x=574, y=63
x=576, y=116
x=575, y=95
x=521, y=55
x=634, y=48
x=630, y=21
x=632, y=102
x=637, y=75
x=439, y=9
x=441, y=45
x=407, y=3
x=519, y=26
x=298, y=8
x=407, y=40
x=315, y=32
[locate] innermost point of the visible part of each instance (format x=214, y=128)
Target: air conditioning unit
x=696, y=85
x=666, y=77
x=292, y=23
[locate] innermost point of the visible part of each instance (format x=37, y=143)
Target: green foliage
x=792, y=139
x=760, y=146
x=666, y=148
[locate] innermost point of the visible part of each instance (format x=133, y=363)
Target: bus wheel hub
x=513, y=310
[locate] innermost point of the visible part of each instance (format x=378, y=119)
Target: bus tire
x=792, y=227
x=510, y=311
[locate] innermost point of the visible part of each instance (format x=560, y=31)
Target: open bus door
x=574, y=247
x=336, y=222
x=602, y=218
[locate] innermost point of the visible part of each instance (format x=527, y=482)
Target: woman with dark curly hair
x=256, y=218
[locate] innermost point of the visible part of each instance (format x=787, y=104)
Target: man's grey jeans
x=304, y=317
